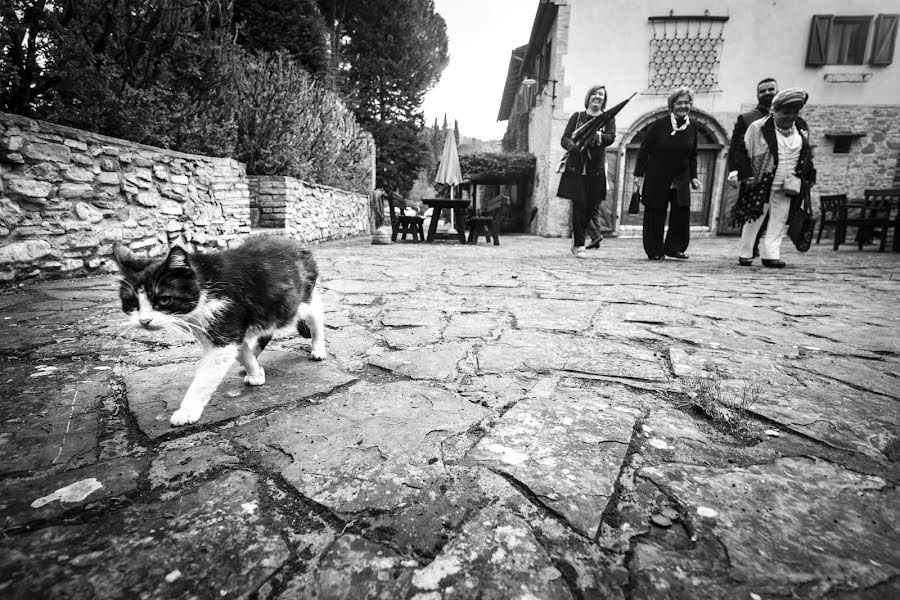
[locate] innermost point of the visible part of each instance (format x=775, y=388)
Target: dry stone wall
x=312, y=212
x=66, y=195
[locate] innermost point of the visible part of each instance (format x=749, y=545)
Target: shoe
x=745, y=262
x=658, y=257
x=773, y=264
x=594, y=243
x=678, y=255
x=579, y=252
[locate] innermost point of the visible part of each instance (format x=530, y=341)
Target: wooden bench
x=484, y=222
x=874, y=218
x=833, y=207
x=403, y=223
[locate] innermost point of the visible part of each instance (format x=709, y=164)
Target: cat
x=232, y=301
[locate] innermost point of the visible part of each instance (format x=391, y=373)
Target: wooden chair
x=874, y=220
x=833, y=207
x=484, y=222
x=403, y=223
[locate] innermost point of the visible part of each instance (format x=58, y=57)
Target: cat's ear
x=178, y=259
x=128, y=260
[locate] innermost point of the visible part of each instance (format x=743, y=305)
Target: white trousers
x=770, y=245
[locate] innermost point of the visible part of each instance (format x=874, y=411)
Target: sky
x=482, y=33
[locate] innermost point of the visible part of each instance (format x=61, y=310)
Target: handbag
x=802, y=226
x=635, y=206
x=791, y=184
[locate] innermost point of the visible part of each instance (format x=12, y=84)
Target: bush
x=289, y=125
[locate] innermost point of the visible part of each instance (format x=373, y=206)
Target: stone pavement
x=492, y=422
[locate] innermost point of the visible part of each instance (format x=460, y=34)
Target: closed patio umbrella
x=584, y=134
x=448, y=170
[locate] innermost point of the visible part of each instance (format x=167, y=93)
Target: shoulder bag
x=635, y=206
x=802, y=226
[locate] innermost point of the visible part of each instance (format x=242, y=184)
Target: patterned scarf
x=675, y=127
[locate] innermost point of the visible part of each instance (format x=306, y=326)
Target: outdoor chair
x=484, y=222
x=833, y=207
x=874, y=218
x=402, y=223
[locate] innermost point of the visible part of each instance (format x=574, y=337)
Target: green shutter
x=817, y=52
x=884, y=39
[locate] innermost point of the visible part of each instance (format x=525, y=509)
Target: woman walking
x=666, y=168
x=584, y=179
x=777, y=179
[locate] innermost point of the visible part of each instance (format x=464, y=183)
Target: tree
x=456, y=131
x=152, y=72
x=386, y=54
x=294, y=26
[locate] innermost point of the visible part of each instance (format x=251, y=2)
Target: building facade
x=841, y=51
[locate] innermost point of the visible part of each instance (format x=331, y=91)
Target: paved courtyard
x=492, y=422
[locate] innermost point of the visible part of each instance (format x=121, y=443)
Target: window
x=847, y=42
x=835, y=40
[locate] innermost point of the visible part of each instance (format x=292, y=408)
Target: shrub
x=288, y=124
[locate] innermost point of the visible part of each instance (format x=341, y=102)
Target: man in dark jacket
x=737, y=153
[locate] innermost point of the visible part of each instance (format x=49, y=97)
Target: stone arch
x=715, y=139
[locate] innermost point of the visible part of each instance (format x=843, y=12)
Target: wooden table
x=458, y=206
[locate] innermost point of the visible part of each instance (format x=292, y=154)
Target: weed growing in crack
x=705, y=393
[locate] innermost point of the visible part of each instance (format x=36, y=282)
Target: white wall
x=609, y=43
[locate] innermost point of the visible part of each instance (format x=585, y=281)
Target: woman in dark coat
x=584, y=179
x=667, y=169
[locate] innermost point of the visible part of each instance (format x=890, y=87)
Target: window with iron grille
x=685, y=51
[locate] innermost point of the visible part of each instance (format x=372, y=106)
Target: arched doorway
x=711, y=153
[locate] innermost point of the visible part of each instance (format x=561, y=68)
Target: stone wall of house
x=267, y=201
x=872, y=160
x=313, y=213
x=67, y=195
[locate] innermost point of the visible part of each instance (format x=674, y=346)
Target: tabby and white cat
x=232, y=301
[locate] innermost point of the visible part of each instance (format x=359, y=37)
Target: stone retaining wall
x=311, y=212
x=66, y=195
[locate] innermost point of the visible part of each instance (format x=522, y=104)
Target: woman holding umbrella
x=666, y=167
x=584, y=179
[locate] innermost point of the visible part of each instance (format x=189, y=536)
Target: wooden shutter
x=884, y=39
x=817, y=52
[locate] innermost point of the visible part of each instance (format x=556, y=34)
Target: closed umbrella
x=584, y=134
x=448, y=170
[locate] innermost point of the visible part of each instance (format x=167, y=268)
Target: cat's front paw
x=317, y=353
x=186, y=416
x=256, y=380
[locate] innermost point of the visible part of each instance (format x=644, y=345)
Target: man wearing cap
x=776, y=177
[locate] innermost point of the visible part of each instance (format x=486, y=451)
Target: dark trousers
x=584, y=208
x=679, y=235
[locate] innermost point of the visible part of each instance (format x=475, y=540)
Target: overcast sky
x=482, y=34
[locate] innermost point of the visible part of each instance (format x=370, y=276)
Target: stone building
x=840, y=51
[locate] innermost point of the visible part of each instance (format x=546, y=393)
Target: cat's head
x=154, y=291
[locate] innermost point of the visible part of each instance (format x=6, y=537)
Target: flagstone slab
x=179, y=461
x=553, y=315
x=380, y=287
x=438, y=362
x=405, y=317
x=879, y=377
x=855, y=336
x=411, y=337
x=24, y=501
x=352, y=567
x=155, y=393
x=49, y=416
x=724, y=338
x=794, y=522
x=834, y=414
x=368, y=447
x=471, y=325
x=212, y=542
x=497, y=554
x=567, y=449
